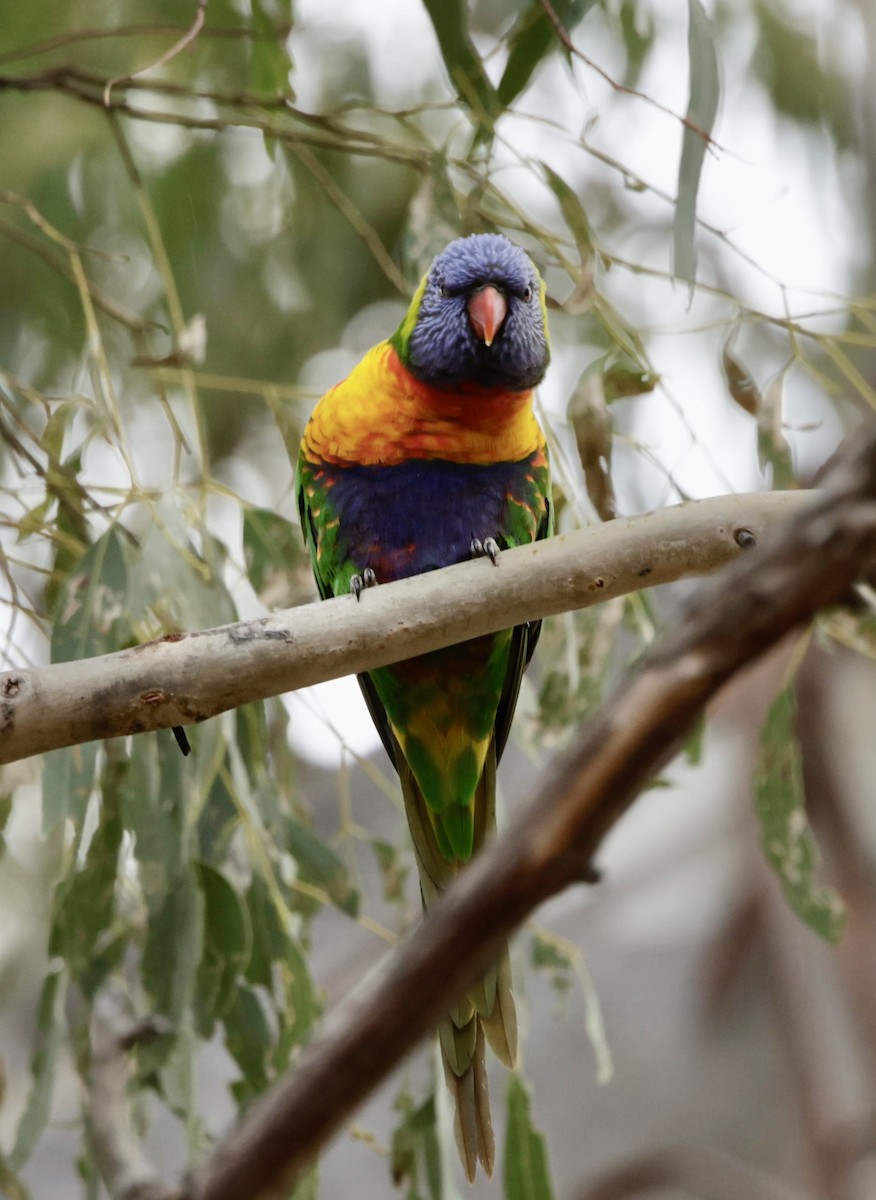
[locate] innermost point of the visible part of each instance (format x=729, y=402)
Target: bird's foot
x=359, y=583
x=488, y=548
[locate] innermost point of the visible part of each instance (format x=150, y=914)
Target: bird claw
x=488, y=548
x=181, y=740
x=359, y=583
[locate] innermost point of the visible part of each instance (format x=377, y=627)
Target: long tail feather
x=500, y=1023
x=471, y=1095
x=488, y=1006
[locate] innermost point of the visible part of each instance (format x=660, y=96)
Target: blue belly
x=420, y=515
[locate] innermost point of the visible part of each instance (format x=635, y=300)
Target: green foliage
x=576, y=660
x=463, y=63
x=5, y=810
x=801, y=81
x=415, y=1158
x=227, y=948
x=702, y=108
x=50, y=1024
x=85, y=934
x=320, y=866
x=145, y=474
x=531, y=38
x=11, y=1185
x=525, y=1171
x=270, y=64
x=787, y=839
x=277, y=563
x=550, y=956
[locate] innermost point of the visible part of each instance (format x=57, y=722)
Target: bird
x=427, y=454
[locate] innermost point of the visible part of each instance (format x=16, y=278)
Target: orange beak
x=487, y=309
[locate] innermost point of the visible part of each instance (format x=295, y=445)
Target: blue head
x=478, y=317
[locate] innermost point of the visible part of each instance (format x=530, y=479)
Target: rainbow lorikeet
x=427, y=454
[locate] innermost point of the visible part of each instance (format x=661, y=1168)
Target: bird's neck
x=381, y=414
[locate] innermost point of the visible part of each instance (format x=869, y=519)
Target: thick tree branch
x=185, y=678
x=811, y=562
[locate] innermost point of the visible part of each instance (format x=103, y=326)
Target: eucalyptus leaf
x=394, y=869
x=772, y=445
x=50, y=1023
x=577, y=653
x=740, y=383
x=249, y=1041
x=270, y=64
x=270, y=936
x=277, y=564
x=158, y=806
x=251, y=727
x=175, y=1076
x=278, y=965
x=67, y=783
x=788, y=842
x=804, y=83
x=173, y=949
x=415, y=1155
x=172, y=586
x=218, y=820
x=549, y=956
x=450, y=21
x=702, y=108
x=91, y=613
x=227, y=945
x=625, y=376
x=589, y=416
x=638, y=29
x=531, y=38
x=319, y=865
x=525, y=1169
x=434, y=218
x=34, y=520
x=85, y=909
x=301, y=1005
x=5, y=810
x=573, y=212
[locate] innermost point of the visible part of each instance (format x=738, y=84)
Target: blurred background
x=206, y=216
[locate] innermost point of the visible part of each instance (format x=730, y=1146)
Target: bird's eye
x=442, y=288
x=527, y=294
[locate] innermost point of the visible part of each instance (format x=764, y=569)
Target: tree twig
x=809, y=564
x=128, y=1175
x=185, y=678
x=708, y=1175
x=621, y=88
x=186, y=40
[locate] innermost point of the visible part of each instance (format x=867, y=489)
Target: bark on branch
x=126, y=1172
x=185, y=678
x=811, y=562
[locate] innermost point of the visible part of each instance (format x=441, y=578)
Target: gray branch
x=185, y=678
x=126, y=1172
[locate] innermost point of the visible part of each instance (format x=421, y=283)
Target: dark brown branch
x=810, y=564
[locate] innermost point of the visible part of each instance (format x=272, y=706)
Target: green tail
x=487, y=1009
